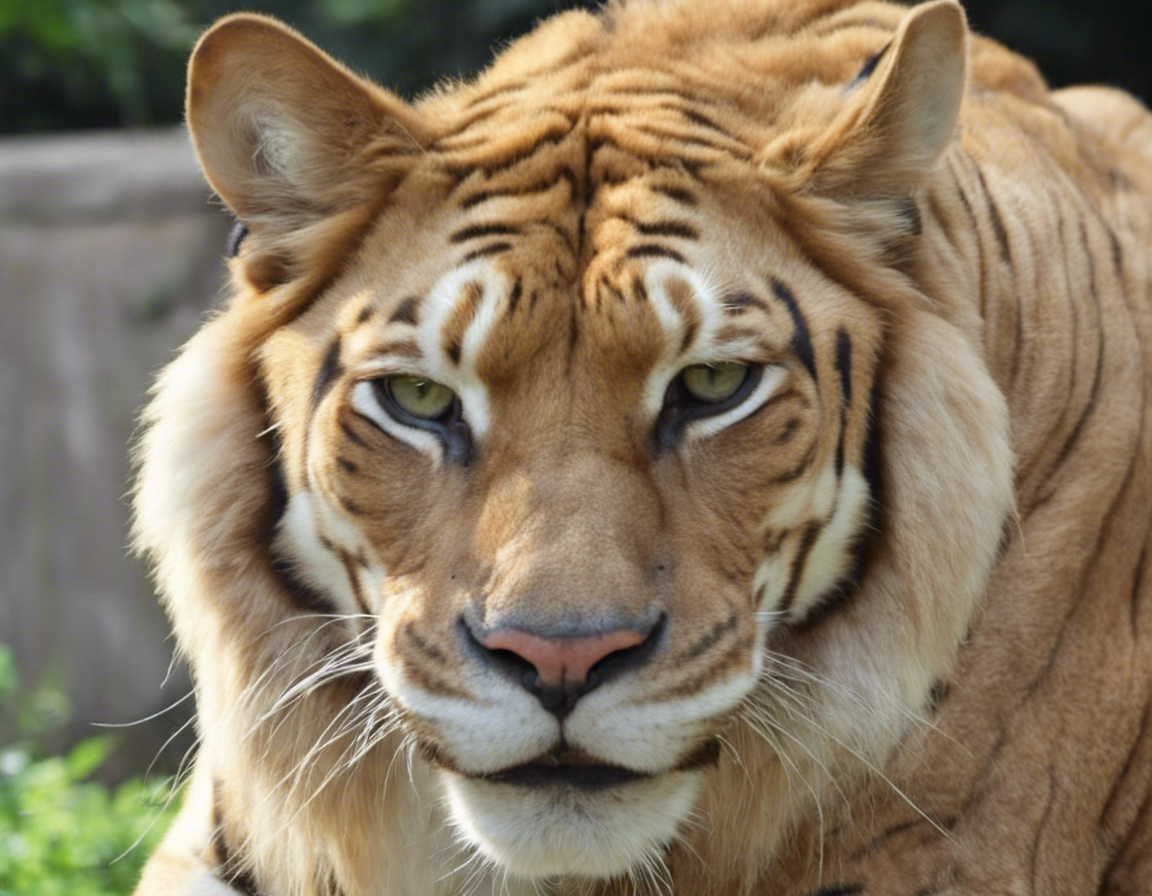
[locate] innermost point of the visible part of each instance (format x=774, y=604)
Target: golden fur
x=895, y=610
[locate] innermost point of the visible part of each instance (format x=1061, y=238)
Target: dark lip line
x=594, y=777
x=580, y=777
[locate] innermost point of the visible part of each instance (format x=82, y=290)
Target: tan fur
x=970, y=717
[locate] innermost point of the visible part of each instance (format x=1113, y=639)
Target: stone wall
x=110, y=254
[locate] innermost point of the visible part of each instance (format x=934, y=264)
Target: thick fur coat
x=706, y=454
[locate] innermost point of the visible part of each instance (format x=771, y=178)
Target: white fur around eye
x=770, y=380
x=366, y=404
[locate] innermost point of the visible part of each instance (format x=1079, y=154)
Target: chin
x=596, y=822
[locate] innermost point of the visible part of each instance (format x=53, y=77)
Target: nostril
x=633, y=657
x=559, y=670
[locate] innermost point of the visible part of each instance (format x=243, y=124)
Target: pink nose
x=561, y=661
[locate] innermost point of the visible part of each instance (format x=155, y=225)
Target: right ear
x=285, y=134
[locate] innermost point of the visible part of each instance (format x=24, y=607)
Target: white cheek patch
x=300, y=539
x=811, y=501
x=831, y=556
x=652, y=736
x=772, y=577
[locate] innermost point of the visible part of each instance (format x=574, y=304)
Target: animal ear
x=903, y=115
x=283, y=131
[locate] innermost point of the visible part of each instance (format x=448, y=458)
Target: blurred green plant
x=62, y=834
x=96, y=60
x=110, y=63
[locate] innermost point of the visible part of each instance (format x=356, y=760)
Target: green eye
x=421, y=398
x=713, y=383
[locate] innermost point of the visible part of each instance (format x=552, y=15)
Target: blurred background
x=110, y=253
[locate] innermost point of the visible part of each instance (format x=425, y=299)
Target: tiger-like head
x=599, y=402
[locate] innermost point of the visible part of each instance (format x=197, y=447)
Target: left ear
x=886, y=141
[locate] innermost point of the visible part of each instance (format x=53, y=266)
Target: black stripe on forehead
x=405, y=312
x=802, y=339
x=330, y=370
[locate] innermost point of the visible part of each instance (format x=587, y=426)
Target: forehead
x=560, y=240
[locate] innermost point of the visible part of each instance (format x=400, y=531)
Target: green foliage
x=98, y=58
x=102, y=63
x=62, y=834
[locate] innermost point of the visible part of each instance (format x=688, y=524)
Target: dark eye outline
x=681, y=407
x=451, y=427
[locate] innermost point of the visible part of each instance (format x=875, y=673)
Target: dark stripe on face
x=873, y=470
x=807, y=542
x=330, y=370
x=651, y=250
x=303, y=596
x=352, y=436
x=676, y=194
x=705, y=122
x=350, y=567
x=800, y=469
x=479, y=230
x=428, y=649
x=405, y=312
x=844, y=365
x=668, y=228
x=514, y=298
x=300, y=595
x=351, y=507
x=710, y=640
x=461, y=318
x=802, y=340
x=564, y=173
x=866, y=536
x=494, y=249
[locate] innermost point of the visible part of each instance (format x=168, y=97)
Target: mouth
x=583, y=771
x=571, y=767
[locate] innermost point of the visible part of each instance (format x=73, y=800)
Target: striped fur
x=895, y=584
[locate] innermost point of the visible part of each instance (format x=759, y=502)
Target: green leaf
x=8, y=679
x=87, y=756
